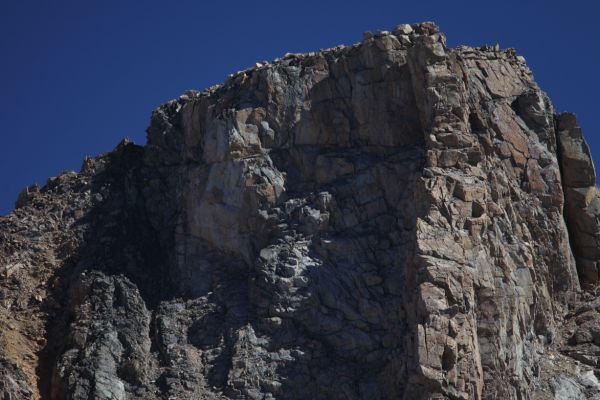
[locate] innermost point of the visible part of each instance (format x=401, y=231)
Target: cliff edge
x=389, y=220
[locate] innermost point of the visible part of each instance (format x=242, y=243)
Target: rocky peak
x=392, y=219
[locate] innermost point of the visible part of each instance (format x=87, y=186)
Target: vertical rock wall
x=378, y=221
x=491, y=276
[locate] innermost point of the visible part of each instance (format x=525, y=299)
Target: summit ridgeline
x=394, y=219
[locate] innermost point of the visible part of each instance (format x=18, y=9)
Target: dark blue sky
x=77, y=76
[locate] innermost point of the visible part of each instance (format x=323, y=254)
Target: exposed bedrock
x=393, y=219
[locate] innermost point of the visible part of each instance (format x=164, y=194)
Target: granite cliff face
x=389, y=220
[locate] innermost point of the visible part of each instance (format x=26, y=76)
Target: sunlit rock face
x=390, y=220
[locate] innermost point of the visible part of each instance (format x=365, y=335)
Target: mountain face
x=389, y=220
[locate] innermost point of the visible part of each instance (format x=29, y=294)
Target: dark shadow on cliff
x=118, y=240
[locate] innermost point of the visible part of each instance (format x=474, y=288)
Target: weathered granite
x=394, y=219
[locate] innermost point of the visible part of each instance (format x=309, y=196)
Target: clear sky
x=77, y=76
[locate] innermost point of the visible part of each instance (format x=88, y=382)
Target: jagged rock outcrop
x=394, y=219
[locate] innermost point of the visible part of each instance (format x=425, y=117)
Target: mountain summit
x=389, y=220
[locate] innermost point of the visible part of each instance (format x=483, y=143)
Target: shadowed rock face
x=395, y=219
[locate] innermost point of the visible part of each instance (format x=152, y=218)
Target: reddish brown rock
x=391, y=220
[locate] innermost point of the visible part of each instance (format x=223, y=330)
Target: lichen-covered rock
x=394, y=219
